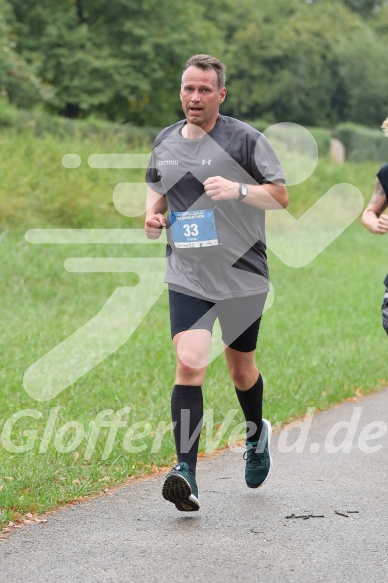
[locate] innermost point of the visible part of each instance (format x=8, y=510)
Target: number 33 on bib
x=194, y=228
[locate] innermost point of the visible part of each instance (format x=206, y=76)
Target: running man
x=211, y=178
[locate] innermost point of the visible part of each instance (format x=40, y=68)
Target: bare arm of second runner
x=373, y=218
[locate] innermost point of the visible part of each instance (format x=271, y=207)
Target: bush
x=37, y=191
x=42, y=124
x=362, y=143
x=323, y=138
x=261, y=124
x=321, y=135
x=9, y=114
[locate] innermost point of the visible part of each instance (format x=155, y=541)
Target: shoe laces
x=254, y=457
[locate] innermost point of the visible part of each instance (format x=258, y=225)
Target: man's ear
x=222, y=95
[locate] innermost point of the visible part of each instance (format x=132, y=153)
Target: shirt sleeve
x=265, y=166
x=153, y=175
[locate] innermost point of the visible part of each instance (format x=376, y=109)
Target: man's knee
x=189, y=362
x=188, y=372
x=243, y=376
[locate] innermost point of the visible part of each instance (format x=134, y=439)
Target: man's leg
x=240, y=322
x=192, y=320
x=192, y=351
x=249, y=388
x=180, y=485
x=243, y=371
x=240, y=328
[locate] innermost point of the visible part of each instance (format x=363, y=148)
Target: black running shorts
x=239, y=317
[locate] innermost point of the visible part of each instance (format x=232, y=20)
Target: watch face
x=243, y=190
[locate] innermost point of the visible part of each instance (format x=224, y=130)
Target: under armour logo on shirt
x=208, y=162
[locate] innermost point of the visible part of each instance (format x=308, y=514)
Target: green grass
x=37, y=191
x=320, y=343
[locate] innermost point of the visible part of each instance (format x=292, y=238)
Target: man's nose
x=195, y=96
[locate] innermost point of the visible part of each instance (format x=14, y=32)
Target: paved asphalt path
x=239, y=535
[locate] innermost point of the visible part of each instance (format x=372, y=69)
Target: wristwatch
x=243, y=189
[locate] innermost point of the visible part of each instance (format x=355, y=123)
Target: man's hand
x=154, y=225
x=382, y=225
x=218, y=188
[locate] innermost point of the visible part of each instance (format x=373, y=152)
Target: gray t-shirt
x=216, y=249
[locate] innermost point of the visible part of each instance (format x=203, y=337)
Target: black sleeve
x=382, y=175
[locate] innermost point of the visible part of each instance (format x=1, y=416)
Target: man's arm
x=156, y=206
x=264, y=196
x=372, y=217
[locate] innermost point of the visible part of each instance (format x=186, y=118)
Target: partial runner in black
x=211, y=178
x=376, y=220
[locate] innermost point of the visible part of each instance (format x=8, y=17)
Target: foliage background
x=315, y=62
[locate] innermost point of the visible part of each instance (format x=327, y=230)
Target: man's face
x=201, y=97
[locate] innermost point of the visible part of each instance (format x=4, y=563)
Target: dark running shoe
x=258, y=458
x=180, y=488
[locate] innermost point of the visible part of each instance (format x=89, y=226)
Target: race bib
x=194, y=228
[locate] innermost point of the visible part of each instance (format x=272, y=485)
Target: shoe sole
x=269, y=429
x=176, y=489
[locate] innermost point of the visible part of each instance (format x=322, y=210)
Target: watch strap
x=243, y=191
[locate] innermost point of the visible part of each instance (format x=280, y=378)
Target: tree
x=287, y=60
x=55, y=37
x=121, y=59
x=284, y=62
x=18, y=81
x=363, y=68
x=306, y=63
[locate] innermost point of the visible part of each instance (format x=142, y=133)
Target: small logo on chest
x=168, y=162
x=208, y=162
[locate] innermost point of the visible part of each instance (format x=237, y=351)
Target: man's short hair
x=208, y=63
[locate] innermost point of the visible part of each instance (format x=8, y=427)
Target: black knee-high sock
x=187, y=412
x=251, y=402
